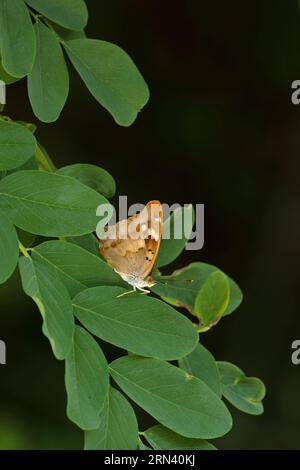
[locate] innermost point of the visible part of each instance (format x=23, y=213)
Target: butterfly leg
x=127, y=292
x=144, y=291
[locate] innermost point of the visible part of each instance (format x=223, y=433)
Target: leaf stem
x=35, y=16
x=23, y=250
x=44, y=162
x=53, y=30
x=5, y=118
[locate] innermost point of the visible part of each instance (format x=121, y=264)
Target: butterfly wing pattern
x=131, y=246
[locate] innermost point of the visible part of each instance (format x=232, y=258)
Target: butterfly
x=131, y=246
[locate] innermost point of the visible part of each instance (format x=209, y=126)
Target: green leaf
x=235, y=298
x=65, y=34
x=118, y=429
x=134, y=322
x=29, y=165
x=49, y=204
x=48, y=81
x=111, y=77
x=9, y=250
x=71, y=14
x=75, y=267
x=88, y=242
x=92, y=176
x=161, y=438
x=183, y=294
x=212, y=299
x=17, y=38
x=6, y=77
x=43, y=159
x=29, y=125
x=202, y=364
x=53, y=301
x=176, y=399
x=245, y=393
x=17, y=145
x=171, y=247
x=27, y=239
x=142, y=446
x=87, y=380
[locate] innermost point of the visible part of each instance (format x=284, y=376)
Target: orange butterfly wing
x=152, y=243
x=135, y=256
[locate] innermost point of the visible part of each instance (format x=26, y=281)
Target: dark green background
x=220, y=129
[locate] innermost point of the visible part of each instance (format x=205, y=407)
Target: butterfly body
x=137, y=282
x=131, y=246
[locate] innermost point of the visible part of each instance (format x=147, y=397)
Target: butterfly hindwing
x=135, y=255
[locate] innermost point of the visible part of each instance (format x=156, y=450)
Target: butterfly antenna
x=175, y=280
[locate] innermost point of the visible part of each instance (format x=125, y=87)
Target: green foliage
x=53, y=301
x=93, y=176
x=152, y=327
x=178, y=400
x=17, y=40
x=161, y=438
x=26, y=238
x=111, y=77
x=86, y=370
x=195, y=278
x=171, y=247
x=5, y=76
x=9, y=249
x=77, y=268
x=212, y=299
x=48, y=81
x=245, y=393
x=201, y=363
x=65, y=34
x=89, y=242
x=17, y=145
x=118, y=426
x=67, y=278
x=71, y=14
x=59, y=206
x=33, y=49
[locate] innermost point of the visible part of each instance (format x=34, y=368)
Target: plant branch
x=44, y=161
x=23, y=250
x=35, y=16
